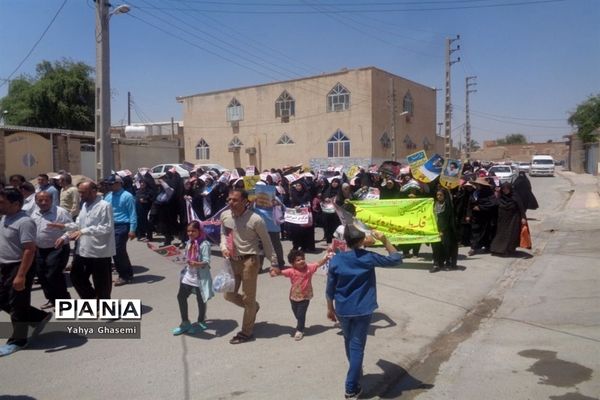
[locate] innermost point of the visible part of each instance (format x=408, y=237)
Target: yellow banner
x=403, y=221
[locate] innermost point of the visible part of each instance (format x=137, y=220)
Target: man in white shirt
x=28, y=191
x=95, y=232
x=53, y=249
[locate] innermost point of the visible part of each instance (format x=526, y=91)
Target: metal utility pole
x=392, y=99
x=468, y=84
x=103, y=143
x=448, y=103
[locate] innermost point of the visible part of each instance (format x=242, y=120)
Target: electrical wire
x=318, y=89
x=371, y=10
x=5, y=81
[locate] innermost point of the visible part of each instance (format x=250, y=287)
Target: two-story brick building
x=358, y=116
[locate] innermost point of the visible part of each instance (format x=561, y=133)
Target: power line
x=331, y=13
x=516, y=118
x=370, y=10
x=289, y=75
x=5, y=81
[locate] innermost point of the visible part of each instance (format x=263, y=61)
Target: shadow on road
x=411, y=265
x=52, y=342
x=390, y=373
x=376, y=323
x=220, y=327
x=138, y=269
x=148, y=278
x=268, y=330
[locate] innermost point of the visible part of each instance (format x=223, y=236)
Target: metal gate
x=591, y=158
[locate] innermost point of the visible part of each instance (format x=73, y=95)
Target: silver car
x=505, y=173
x=524, y=166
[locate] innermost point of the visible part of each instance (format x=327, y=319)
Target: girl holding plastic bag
x=195, y=279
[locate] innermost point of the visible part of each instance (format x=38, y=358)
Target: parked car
x=524, y=166
x=158, y=170
x=505, y=173
x=218, y=167
x=542, y=165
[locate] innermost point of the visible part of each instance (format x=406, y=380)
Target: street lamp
x=104, y=157
x=403, y=113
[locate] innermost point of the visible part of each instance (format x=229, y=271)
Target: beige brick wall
x=368, y=117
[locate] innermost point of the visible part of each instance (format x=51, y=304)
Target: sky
x=535, y=60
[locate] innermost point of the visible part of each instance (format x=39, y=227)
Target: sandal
x=241, y=338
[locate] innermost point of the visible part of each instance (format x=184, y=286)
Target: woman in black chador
x=303, y=237
x=481, y=214
x=445, y=251
x=511, y=215
x=522, y=187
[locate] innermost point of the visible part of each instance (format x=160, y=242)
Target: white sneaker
x=298, y=336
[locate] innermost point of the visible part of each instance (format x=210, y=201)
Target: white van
x=542, y=165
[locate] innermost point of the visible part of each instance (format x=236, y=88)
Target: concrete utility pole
x=128, y=108
x=468, y=84
x=104, y=159
x=392, y=100
x=103, y=143
x=448, y=103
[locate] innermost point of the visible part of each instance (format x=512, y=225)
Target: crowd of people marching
x=481, y=213
x=41, y=223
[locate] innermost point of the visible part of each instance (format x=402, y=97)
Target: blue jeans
x=355, y=338
x=121, y=257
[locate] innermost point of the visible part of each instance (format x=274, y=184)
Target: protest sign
x=451, y=172
x=250, y=184
x=300, y=216
x=403, y=221
x=429, y=170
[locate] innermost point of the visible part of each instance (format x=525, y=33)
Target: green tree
x=587, y=119
x=515, y=138
x=61, y=95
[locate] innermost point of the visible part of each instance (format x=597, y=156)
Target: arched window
x=202, y=150
x=407, y=104
x=338, y=99
x=285, y=106
x=235, y=111
x=338, y=145
x=285, y=139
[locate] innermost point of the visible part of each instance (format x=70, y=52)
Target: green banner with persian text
x=403, y=221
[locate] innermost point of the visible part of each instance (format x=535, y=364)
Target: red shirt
x=301, y=281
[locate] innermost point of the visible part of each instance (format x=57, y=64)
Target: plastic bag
x=224, y=281
x=525, y=241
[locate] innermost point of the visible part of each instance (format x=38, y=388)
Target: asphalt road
x=454, y=335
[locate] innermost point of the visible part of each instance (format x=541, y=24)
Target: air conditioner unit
x=285, y=115
x=235, y=124
x=251, y=150
x=234, y=149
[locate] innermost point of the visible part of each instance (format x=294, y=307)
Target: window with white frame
x=338, y=145
x=202, y=150
x=235, y=111
x=407, y=104
x=338, y=99
x=285, y=139
x=285, y=105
